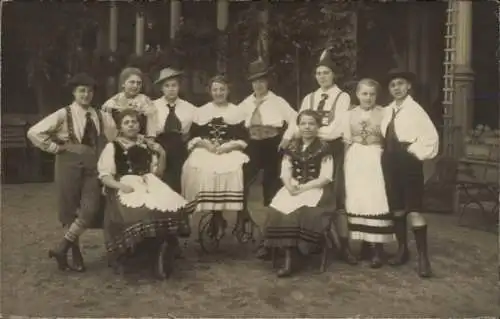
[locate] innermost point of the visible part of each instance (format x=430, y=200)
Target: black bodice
x=135, y=160
x=218, y=131
x=306, y=165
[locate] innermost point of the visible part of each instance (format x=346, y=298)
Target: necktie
x=90, y=131
x=172, y=122
x=256, y=116
x=322, y=102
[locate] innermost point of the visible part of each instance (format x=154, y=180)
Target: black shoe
x=60, y=253
x=424, y=265
x=346, y=253
x=263, y=253
x=286, y=271
x=376, y=259
x=78, y=264
x=402, y=255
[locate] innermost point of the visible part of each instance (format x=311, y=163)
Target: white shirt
x=183, y=109
x=55, y=125
x=332, y=130
x=273, y=110
x=413, y=125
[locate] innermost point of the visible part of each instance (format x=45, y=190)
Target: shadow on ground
x=233, y=283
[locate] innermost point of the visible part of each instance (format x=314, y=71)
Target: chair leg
x=274, y=257
x=324, y=258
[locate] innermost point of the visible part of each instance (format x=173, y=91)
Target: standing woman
x=75, y=134
x=332, y=104
x=266, y=117
x=213, y=171
x=130, y=97
x=366, y=202
x=410, y=138
x=175, y=117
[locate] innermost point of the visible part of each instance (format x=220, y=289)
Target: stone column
x=139, y=32
x=464, y=76
x=222, y=21
x=175, y=17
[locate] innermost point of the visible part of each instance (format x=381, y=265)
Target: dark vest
x=135, y=160
x=217, y=130
x=306, y=165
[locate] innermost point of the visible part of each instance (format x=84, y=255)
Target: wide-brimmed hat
x=168, y=73
x=325, y=59
x=81, y=79
x=400, y=73
x=258, y=69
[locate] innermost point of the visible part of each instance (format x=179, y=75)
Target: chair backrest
x=14, y=136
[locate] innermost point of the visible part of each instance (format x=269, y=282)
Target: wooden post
x=175, y=17
x=139, y=32
x=222, y=21
x=113, y=45
x=263, y=40
x=464, y=75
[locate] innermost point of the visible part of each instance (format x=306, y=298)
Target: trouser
x=176, y=150
x=264, y=155
x=79, y=191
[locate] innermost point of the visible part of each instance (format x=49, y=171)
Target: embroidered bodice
x=365, y=126
x=218, y=131
x=306, y=163
x=135, y=160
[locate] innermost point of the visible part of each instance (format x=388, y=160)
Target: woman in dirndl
x=139, y=205
x=301, y=210
x=130, y=97
x=366, y=202
x=213, y=171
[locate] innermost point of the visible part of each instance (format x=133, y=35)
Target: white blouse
x=106, y=166
x=273, y=110
x=183, y=109
x=413, y=125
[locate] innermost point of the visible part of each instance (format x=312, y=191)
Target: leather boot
x=402, y=256
x=424, y=265
x=376, y=252
x=365, y=253
x=286, y=271
x=60, y=253
x=78, y=264
x=263, y=252
x=346, y=253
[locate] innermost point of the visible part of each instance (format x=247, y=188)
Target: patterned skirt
x=215, y=180
x=304, y=227
x=126, y=224
x=366, y=200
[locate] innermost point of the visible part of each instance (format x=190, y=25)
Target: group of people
x=156, y=162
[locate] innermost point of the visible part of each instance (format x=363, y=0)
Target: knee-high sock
x=75, y=230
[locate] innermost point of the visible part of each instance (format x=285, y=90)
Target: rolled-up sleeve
x=42, y=132
x=286, y=167
x=426, y=144
x=106, y=165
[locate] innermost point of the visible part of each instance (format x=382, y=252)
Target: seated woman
x=139, y=205
x=213, y=171
x=296, y=220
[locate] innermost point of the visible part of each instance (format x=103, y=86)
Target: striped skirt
x=366, y=200
x=214, y=180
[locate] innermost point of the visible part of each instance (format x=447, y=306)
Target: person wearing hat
x=76, y=135
x=332, y=104
x=174, y=116
x=410, y=138
x=267, y=116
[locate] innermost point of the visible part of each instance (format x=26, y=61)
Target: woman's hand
x=283, y=144
x=155, y=147
x=126, y=188
x=224, y=149
x=293, y=189
x=208, y=146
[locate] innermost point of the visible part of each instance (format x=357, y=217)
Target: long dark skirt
x=303, y=228
x=125, y=228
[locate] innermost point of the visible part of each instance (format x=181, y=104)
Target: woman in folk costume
x=410, y=138
x=75, y=134
x=266, y=117
x=213, y=171
x=332, y=104
x=175, y=117
x=296, y=221
x=139, y=204
x=130, y=81
x=366, y=202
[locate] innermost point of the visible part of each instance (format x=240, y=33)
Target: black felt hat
x=81, y=79
x=258, y=69
x=400, y=73
x=325, y=59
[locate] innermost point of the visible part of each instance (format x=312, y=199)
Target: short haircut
x=315, y=115
x=124, y=113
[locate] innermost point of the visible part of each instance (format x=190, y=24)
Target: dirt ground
x=233, y=283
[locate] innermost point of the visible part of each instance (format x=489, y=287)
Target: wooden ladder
x=449, y=133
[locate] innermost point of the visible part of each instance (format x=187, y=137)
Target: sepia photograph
x=250, y=159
